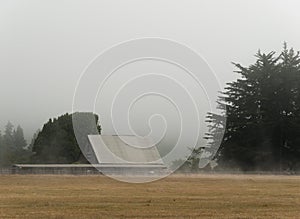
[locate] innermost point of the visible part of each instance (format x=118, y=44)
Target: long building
x=125, y=155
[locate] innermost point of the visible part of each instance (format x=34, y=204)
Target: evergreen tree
x=56, y=142
x=7, y=145
x=34, y=137
x=8, y=138
x=263, y=119
x=19, y=140
x=12, y=146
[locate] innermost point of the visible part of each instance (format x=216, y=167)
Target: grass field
x=204, y=196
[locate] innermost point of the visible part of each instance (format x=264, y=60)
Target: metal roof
x=127, y=149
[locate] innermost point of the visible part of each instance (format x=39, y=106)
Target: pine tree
x=56, y=142
x=34, y=137
x=262, y=127
x=19, y=140
x=8, y=138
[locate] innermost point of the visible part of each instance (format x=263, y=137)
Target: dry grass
x=206, y=196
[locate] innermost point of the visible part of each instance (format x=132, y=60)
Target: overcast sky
x=45, y=45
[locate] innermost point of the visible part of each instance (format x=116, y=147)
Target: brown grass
x=205, y=196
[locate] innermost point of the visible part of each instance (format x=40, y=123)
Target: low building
x=124, y=155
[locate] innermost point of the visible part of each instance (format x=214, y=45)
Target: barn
x=113, y=154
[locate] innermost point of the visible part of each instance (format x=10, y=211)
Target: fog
x=45, y=46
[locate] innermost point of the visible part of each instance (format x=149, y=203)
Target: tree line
x=55, y=143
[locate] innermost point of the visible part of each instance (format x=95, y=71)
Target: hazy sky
x=45, y=45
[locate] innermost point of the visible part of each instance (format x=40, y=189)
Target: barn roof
x=113, y=149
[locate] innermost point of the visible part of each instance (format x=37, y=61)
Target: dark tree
x=263, y=118
x=56, y=142
x=34, y=137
